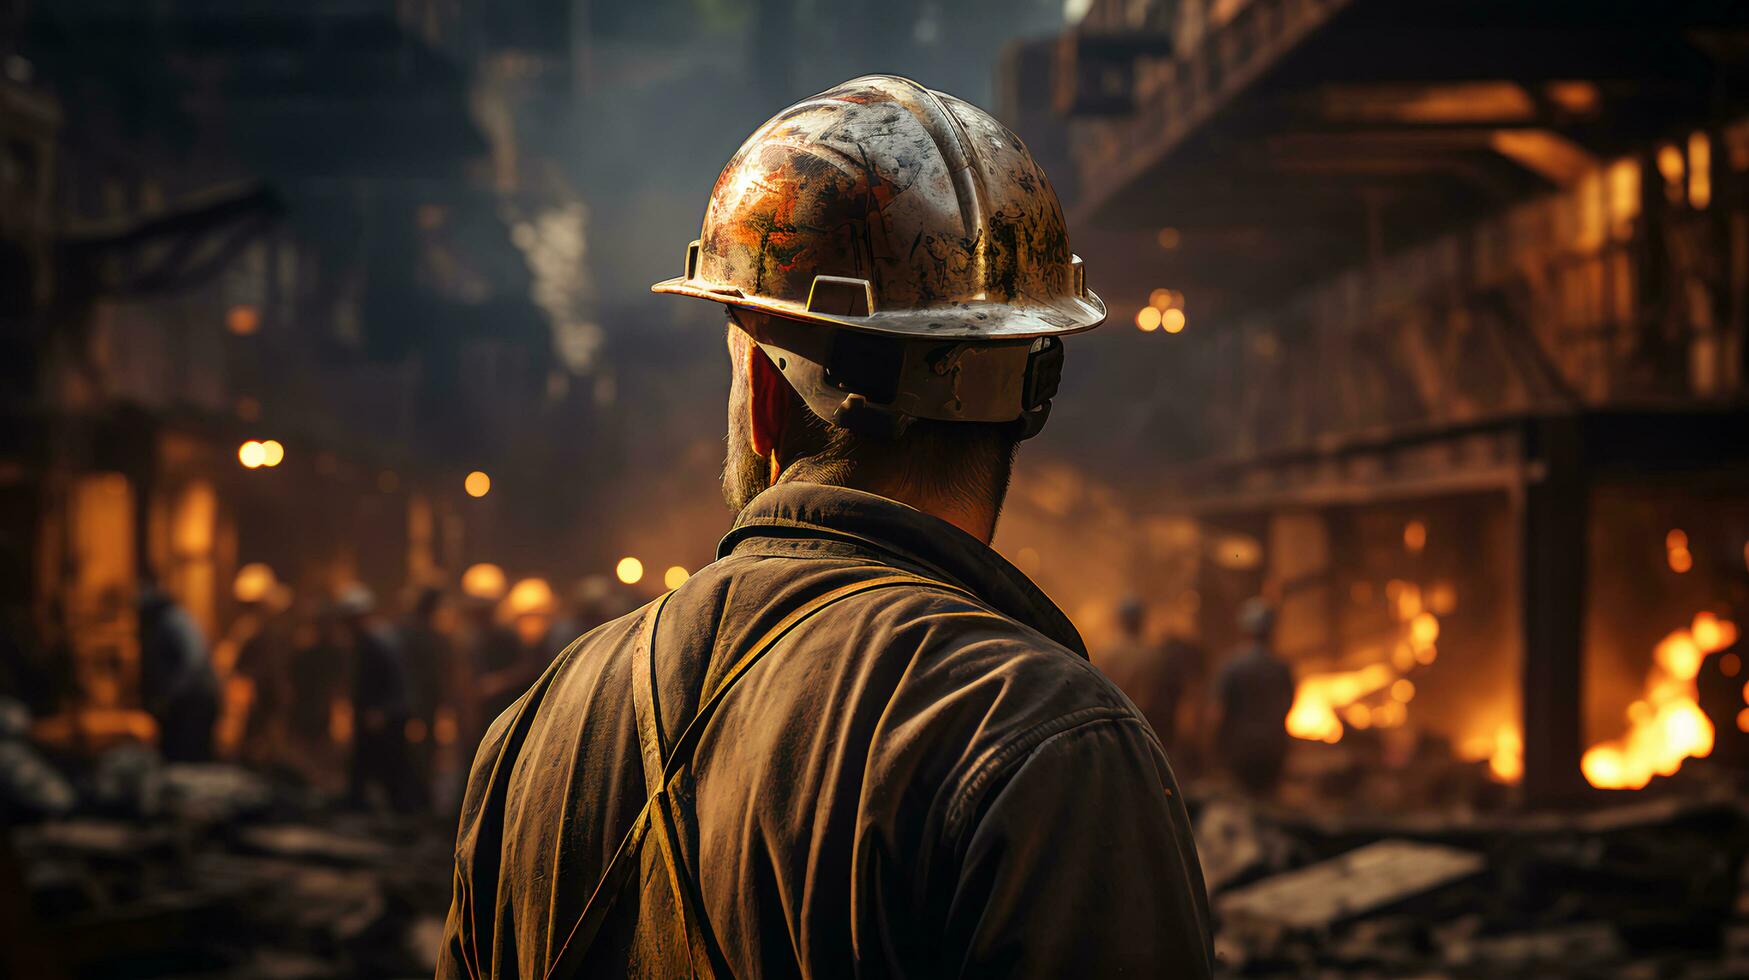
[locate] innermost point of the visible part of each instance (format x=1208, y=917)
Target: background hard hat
x=884, y=206
x=1256, y=617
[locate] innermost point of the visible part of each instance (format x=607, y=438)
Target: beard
x=745, y=475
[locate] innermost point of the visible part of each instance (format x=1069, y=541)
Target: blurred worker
x=859, y=743
x=177, y=685
x=1133, y=664
x=1157, y=677
x=596, y=599
x=380, y=705
x=432, y=685
x=1253, y=692
x=490, y=652
x=264, y=662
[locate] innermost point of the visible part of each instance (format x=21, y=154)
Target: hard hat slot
x=692, y=258
x=841, y=296
x=867, y=364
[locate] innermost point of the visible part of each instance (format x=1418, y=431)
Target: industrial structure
x=1456, y=295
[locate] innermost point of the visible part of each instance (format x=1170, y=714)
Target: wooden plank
x=1362, y=881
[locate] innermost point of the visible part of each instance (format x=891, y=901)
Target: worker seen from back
x=860, y=742
x=1253, y=692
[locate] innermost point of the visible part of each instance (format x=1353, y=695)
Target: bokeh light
x=484, y=581
x=477, y=484
x=629, y=570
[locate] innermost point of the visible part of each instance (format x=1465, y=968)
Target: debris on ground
x=1652, y=888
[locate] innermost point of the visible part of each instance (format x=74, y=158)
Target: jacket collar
x=797, y=517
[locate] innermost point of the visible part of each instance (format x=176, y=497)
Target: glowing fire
x=1502, y=750
x=1666, y=725
x=1325, y=705
x=1318, y=697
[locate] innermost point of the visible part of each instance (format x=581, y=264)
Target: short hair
x=967, y=462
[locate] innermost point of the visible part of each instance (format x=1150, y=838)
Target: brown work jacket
x=918, y=779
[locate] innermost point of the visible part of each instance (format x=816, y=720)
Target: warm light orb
x=1415, y=536
x=253, y=582
x=242, y=320
x=483, y=581
x=675, y=577
x=1172, y=321
x=478, y=484
x=629, y=570
x=272, y=452
x=1148, y=319
x=529, y=597
x=251, y=454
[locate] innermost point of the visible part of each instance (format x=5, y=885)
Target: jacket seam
x=1012, y=754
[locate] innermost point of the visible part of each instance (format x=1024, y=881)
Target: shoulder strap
x=662, y=766
x=701, y=945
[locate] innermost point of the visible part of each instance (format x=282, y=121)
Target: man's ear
x=767, y=401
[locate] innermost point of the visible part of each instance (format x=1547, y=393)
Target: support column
x=1553, y=523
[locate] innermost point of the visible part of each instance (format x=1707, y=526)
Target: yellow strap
x=662, y=768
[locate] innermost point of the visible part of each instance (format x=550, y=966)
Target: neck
x=977, y=521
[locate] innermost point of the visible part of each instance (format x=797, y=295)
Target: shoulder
x=985, y=693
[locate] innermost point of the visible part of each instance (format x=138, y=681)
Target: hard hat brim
x=961, y=321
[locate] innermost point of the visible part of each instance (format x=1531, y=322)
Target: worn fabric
x=912, y=783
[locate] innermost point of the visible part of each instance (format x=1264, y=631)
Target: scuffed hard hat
x=895, y=213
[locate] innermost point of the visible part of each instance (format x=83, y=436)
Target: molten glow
x=1676, y=540
x=1442, y=598
x=253, y=582
x=1172, y=321
x=1147, y=319
x=1423, y=631
x=1506, y=763
x=251, y=455
x=477, y=484
x=630, y=570
x=1700, y=171
x=1407, y=597
x=272, y=452
x=1666, y=725
x=675, y=577
x=1403, y=690
x=483, y=581
x=1681, y=560
x=1318, y=697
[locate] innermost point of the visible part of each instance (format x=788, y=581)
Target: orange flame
x=1665, y=726
x=1318, y=697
